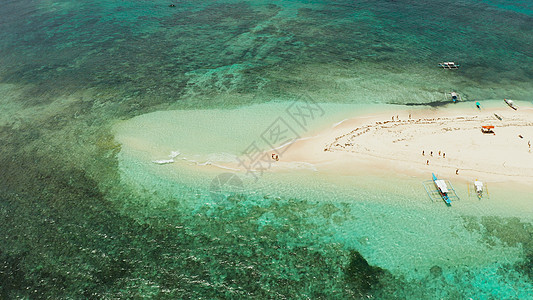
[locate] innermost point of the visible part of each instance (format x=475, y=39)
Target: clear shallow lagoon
x=83, y=219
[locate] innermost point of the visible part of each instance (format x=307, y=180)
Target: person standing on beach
x=457, y=172
x=443, y=155
x=422, y=152
x=427, y=162
x=431, y=153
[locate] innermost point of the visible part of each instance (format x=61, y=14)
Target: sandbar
x=356, y=143
x=444, y=141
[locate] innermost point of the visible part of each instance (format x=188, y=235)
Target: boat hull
x=444, y=195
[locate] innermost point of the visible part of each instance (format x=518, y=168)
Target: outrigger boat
x=511, y=104
x=441, y=189
x=454, y=96
x=448, y=65
x=480, y=188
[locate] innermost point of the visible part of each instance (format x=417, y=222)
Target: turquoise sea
x=86, y=214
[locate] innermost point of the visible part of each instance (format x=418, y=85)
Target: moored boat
x=448, y=65
x=454, y=96
x=442, y=188
x=478, y=185
x=511, y=104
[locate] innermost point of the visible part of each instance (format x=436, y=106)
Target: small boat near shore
x=441, y=189
x=480, y=189
x=511, y=104
x=454, y=96
x=478, y=185
x=449, y=65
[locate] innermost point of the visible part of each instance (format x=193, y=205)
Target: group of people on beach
x=443, y=156
x=398, y=117
x=431, y=154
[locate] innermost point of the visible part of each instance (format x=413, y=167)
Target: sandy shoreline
x=373, y=144
x=451, y=140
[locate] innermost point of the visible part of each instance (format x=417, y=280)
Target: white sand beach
x=380, y=143
x=351, y=145
x=439, y=141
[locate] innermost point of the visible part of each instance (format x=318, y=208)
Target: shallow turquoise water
x=82, y=220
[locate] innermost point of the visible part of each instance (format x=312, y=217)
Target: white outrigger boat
x=511, y=104
x=440, y=189
x=449, y=65
x=479, y=188
x=453, y=96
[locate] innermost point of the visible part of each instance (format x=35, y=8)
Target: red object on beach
x=487, y=129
